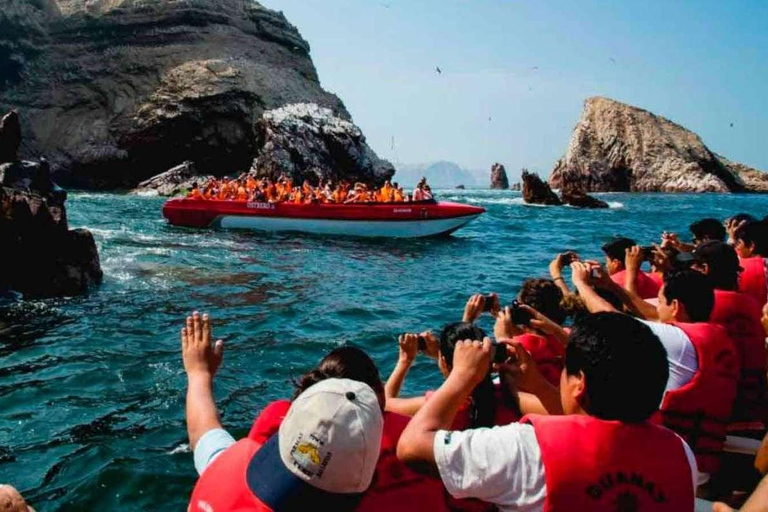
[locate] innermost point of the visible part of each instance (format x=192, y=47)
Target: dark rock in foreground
x=39, y=255
x=536, y=191
x=499, y=180
x=10, y=137
x=172, y=182
x=116, y=91
x=305, y=141
x=579, y=199
x=618, y=147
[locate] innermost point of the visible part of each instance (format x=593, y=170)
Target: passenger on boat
x=489, y=405
x=751, y=244
x=704, y=365
x=195, y=192
x=345, y=396
x=574, y=461
x=615, y=256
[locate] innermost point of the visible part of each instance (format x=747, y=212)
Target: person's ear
x=578, y=388
x=705, y=268
x=675, y=306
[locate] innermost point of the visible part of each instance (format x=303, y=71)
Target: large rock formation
x=116, y=91
x=499, y=178
x=39, y=255
x=305, y=141
x=617, y=147
x=536, y=191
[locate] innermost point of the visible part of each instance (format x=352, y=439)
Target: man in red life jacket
x=703, y=361
x=615, y=252
x=324, y=455
x=601, y=455
x=751, y=244
x=740, y=314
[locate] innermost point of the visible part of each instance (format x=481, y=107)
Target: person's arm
x=545, y=325
x=528, y=379
x=405, y=406
x=756, y=502
x=471, y=360
x=594, y=302
x=201, y=361
x=556, y=272
x=408, y=347
x=633, y=259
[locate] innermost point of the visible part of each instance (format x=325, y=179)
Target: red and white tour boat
x=397, y=220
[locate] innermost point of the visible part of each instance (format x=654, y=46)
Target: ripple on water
x=92, y=388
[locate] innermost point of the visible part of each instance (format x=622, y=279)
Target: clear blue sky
x=703, y=64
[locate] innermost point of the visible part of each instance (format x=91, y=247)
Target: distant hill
x=438, y=174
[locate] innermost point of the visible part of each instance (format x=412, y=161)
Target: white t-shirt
x=500, y=465
x=681, y=353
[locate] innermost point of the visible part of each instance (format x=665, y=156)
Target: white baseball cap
x=328, y=445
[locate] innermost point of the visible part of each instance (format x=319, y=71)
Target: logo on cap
x=306, y=456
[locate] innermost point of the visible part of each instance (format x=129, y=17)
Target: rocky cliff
x=39, y=255
x=617, y=147
x=117, y=91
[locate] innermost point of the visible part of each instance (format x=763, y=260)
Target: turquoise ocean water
x=92, y=388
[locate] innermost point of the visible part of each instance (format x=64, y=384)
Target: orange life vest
x=701, y=410
x=740, y=315
x=596, y=465
x=752, y=280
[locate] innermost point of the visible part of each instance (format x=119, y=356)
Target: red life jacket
x=394, y=486
x=222, y=487
x=752, y=280
x=596, y=465
x=647, y=288
x=547, y=352
x=701, y=410
x=740, y=315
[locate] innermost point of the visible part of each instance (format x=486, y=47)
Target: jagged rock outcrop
x=499, y=180
x=618, y=147
x=10, y=137
x=536, y=191
x=39, y=255
x=575, y=196
x=172, y=182
x=305, y=141
x=116, y=91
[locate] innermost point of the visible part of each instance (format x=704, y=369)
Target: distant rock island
x=116, y=91
x=499, y=179
x=618, y=147
x=439, y=174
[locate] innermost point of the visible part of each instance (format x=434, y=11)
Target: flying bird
x=731, y=125
x=386, y=6
x=612, y=60
x=439, y=71
x=535, y=68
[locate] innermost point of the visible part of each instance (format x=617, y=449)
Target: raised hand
x=504, y=326
x=409, y=347
x=633, y=259
x=474, y=308
x=432, y=348
x=472, y=360
x=522, y=367
x=199, y=354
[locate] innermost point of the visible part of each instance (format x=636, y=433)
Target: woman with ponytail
x=489, y=404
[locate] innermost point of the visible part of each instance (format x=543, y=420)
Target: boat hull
x=401, y=220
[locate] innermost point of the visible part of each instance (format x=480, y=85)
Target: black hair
x=754, y=232
x=483, y=412
x=624, y=365
x=544, y=296
x=693, y=290
x=724, y=269
x=708, y=229
x=342, y=363
x=616, y=249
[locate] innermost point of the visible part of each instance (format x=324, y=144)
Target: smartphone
x=595, y=273
x=421, y=343
x=520, y=316
x=569, y=257
x=489, y=302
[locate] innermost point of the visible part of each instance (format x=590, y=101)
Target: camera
x=489, y=302
x=500, y=353
x=647, y=252
x=421, y=343
x=569, y=257
x=520, y=316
